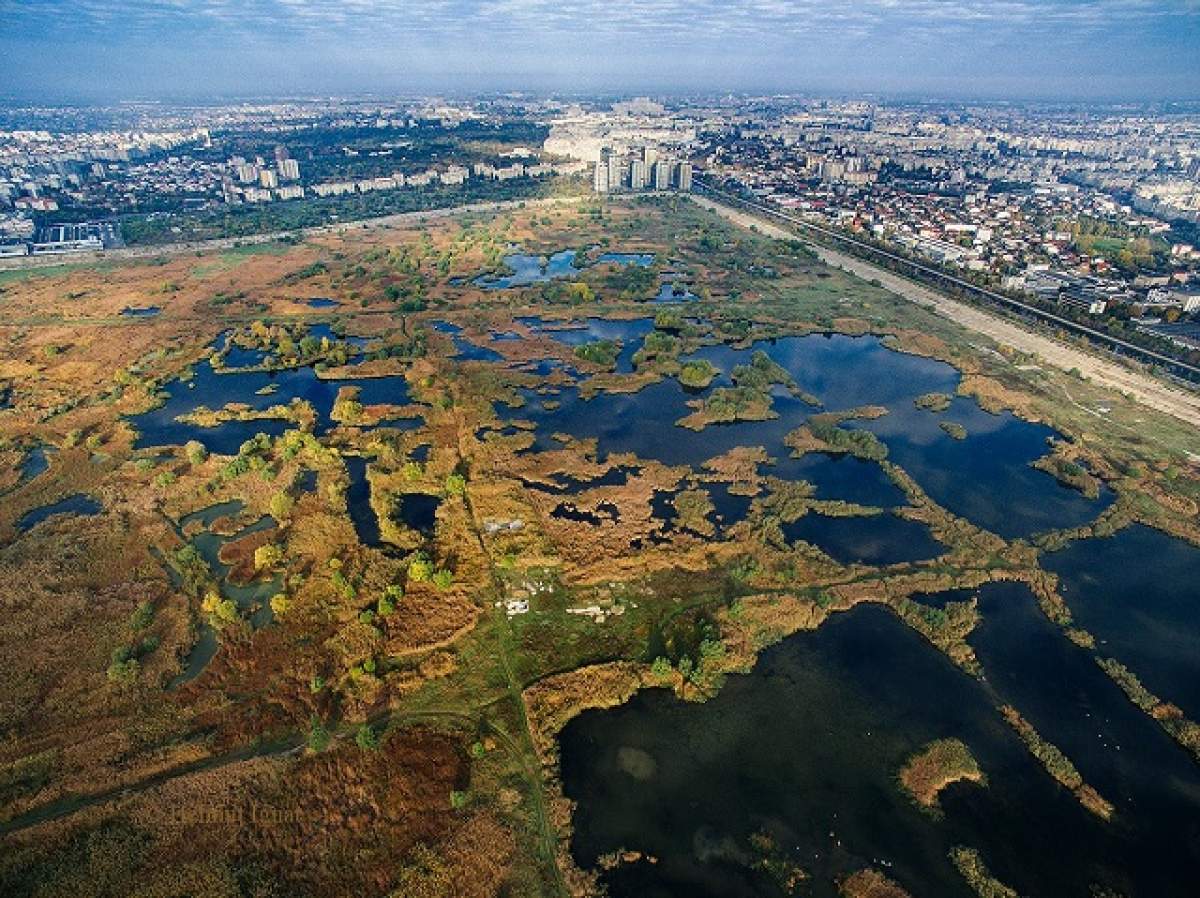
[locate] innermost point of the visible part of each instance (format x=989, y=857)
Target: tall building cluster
x=639, y=170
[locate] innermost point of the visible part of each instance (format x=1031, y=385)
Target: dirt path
x=1145, y=389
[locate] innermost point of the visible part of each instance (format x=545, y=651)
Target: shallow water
x=844, y=372
x=1138, y=593
x=79, y=504
x=253, y=597
x=1119, y=750
x=877, y=539
x=806, y=748
x=215, y=390
x=418, y=511
x=358, y=501
x=643, y=259
x=628, y=332
x=528, y=269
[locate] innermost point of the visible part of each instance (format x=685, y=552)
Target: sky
x=103, y=50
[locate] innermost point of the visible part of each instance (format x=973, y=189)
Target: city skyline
x=1022, y=49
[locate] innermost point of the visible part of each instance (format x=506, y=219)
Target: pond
x=1138, y=593
x=528, y=269
x=629, y=333
x=322, y=303
x=35, y=463
x=79, y=504
x=259, y=390
x=1118, y=749
x=875, y=539
x=806, y=749
x=843, y=372
x=358, y=501
x=418, y=511
x=140, y=311
x=645, y=260
x=668, y=292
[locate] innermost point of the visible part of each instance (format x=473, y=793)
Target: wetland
x=661, y=567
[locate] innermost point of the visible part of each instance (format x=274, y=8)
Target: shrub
x=280, y=604
x=419, y=569
x=142, y=617
x=196, y=452
x=123, y=672
x=268, y=556
x=281, y=505
x=318, y=735
x=697, y=374
x=366, y=738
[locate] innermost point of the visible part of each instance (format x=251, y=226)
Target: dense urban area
x=1093, y=212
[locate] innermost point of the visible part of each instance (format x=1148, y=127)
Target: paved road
x=1145, y=389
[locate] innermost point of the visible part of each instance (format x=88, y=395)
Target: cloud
x=871, y=44
x=664, y=19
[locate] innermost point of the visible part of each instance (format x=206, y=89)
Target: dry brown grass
x=936, y=766
x=870, y=884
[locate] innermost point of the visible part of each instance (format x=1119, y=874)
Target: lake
x=806, y=749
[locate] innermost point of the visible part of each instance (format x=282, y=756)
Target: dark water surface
x=1120, y=751
x=966, y=476
x=79, y=504
x=986, y=477
x=358, y=501
x=807, y=747
x=212, y=389
x=1138, y=593
x=875, y=539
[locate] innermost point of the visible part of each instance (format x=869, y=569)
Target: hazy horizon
x=1101, y=50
